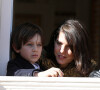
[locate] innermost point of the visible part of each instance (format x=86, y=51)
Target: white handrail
x=49, y=83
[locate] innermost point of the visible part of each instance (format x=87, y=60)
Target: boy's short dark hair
x=24, y=32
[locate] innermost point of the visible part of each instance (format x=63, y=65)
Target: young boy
x=26, y=43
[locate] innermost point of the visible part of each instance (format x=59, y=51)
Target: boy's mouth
x=35, y=55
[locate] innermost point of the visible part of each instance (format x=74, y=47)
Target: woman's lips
x=61, y=57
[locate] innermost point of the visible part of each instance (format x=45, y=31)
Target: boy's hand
x=52, y=72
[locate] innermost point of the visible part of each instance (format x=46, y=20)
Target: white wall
x=6, y=8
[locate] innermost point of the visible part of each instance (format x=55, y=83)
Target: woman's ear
x=15, y=49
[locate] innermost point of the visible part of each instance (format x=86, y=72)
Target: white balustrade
x=48, y=83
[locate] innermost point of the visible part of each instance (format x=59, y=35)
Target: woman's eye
x=59, y=43
x=39, y=44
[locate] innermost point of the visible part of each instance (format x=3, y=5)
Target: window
x=64, y=83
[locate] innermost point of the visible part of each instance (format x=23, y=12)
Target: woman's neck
x=63, y=66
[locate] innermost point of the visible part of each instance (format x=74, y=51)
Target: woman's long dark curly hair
x=77, y=38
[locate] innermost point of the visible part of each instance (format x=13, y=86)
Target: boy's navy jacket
x=20, y=67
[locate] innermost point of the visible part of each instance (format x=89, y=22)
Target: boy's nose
x=34, y=48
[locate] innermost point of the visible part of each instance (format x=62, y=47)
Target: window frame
x=6, y=15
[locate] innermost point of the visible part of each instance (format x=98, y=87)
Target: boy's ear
x=15, y=49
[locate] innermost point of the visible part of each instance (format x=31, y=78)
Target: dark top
x=20, y=67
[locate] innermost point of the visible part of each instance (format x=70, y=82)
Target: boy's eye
x=29, y=44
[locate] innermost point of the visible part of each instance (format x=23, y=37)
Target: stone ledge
x=48, y=83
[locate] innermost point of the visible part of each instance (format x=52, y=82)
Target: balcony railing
x=48, y=83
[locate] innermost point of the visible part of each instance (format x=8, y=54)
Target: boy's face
x=31, y=51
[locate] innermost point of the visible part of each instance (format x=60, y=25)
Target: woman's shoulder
x=95, y=72
x=94, y=64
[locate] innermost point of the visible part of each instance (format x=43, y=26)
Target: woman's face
x=62, y=51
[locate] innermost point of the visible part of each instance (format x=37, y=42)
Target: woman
x=68, y=50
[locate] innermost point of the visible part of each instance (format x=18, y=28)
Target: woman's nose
x=62, y=49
